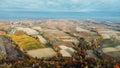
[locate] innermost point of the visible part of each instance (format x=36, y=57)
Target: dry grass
x=44, y=52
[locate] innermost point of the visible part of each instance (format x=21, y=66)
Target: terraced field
x=108, y=43
x=26, y=42
x=12, y=53
x=2, y=49
x=7, y=50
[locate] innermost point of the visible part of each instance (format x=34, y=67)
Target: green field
x=26, y=42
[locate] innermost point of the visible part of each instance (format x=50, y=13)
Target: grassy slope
x=26, y=42
x=108, y=43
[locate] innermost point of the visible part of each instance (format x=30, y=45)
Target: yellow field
x=26, y=42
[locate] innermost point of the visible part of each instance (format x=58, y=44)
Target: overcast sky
x=60, y=5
